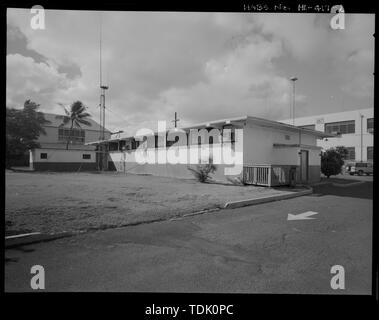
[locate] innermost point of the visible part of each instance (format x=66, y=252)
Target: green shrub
x=332, y=162
x=203, y=171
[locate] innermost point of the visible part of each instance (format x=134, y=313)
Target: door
x=304, y=155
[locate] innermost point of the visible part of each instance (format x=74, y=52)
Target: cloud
x=29, y=79
x=202, y=65
x=18, y=43
x=242, y=81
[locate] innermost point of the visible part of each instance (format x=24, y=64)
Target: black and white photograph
x=188, y=151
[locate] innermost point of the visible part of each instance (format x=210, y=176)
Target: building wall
x=258, y=148
x=347, y=140
x=259, y=141
x=62, y=160
x=126, y=161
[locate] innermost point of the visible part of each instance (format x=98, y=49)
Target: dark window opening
x=342, y=127
x=350, y=153
x=370, y=153
x=170, y=143
x=75, y=135
x=43, y=155
x=86, y=156
x=370, y=124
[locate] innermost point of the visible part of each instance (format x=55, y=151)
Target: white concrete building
x=354, y=130
x=52, y=154
x=264, y=152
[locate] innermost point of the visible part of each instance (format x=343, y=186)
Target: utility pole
x=293, y=79
x=175, y=120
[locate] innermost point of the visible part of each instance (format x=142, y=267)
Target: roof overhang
x=296, y=145
x=238, y=121
x=284, y=126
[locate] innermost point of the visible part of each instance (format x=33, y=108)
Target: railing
x=266, y=175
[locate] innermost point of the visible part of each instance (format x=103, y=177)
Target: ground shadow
x=362, y=191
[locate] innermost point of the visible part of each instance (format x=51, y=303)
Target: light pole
x=361, y=137
x=293, y=79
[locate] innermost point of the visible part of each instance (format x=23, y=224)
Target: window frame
x=78, y=135
x=372, y=153
x=331, y=127
x=367, y=124
x=350, y=151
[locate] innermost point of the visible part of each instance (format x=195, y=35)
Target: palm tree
x=76, y=116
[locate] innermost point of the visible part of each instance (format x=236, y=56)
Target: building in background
x=52, y=154
x=353, y=129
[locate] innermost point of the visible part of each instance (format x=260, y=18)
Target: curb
x=340, y=185
x=195, y=213
x=25, y=239
x=250, y=202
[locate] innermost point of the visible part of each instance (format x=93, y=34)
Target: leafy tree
x=76, y=116
x=332, y=161
x=23, y=127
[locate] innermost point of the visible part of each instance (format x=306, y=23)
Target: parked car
x=360, y=168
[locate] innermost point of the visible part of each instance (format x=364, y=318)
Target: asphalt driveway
x=248, y=250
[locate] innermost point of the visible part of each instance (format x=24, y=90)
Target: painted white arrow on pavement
x=301, y=216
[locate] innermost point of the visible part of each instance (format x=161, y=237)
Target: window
x=350, y=153
x=309, y=126
x=370, y=153
x=76, y=135
x=170, y=143
x=370, y=124
x=342, y=127
x=43, y=155
x=135, y=144
x=156, y=141
x=112, y=146
x=86, y=156
x=361, y=165
x=229, y=138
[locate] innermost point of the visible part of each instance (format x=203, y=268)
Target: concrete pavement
x=251, y=249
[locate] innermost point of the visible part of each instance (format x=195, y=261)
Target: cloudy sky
x=205, y=66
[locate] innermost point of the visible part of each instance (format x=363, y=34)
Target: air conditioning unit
x=371, y=130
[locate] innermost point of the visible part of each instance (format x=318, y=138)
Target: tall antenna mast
x=101, y=36
x=100, y=75
x=103, y=151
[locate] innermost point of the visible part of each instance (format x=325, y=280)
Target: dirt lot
x=55, y=202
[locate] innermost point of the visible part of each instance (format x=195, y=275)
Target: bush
x=331, y=162
x=203, y=171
